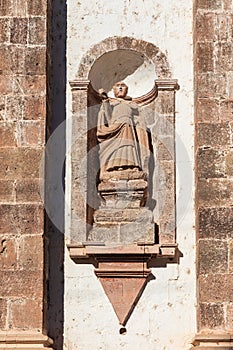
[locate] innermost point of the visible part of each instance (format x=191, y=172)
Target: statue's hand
x=103, y=94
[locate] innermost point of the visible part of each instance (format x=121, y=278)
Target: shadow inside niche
x=129, y=65
x=114, y=66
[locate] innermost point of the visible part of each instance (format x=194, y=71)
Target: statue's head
x=120, y=89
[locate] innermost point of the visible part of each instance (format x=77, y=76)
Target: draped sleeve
x=105, y=129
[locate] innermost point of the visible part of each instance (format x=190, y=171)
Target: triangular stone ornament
x=123, y=293
x=123, y=281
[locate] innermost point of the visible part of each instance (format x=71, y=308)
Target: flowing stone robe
x=122, y=136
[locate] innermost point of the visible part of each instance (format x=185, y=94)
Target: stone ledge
x=27, y=347
x=79, y=84
x=24, y=340
x=211, y=341
x=87, y=249
x=167, y=84
x=214, y=347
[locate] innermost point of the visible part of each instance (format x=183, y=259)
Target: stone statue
x=121, y=133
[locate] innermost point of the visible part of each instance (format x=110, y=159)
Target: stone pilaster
x=22, y=140
x=79, y=170
x=164, y=148
x=213, y=98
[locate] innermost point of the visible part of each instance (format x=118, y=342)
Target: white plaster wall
x=164, y=318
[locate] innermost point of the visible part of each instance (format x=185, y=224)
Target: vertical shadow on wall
x=55, y=165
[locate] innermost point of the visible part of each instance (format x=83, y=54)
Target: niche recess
x=121, y=260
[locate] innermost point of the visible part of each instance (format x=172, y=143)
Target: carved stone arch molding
x=149, y=50
x=124, y=221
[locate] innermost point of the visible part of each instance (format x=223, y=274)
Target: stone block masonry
x=214, y=199
x=22, y=140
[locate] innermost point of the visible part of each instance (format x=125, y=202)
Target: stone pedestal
x=123, y=216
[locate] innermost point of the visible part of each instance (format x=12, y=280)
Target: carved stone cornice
x=85, y=250
x=90, y=249
x=167, y=84
x=159, y=85
x=79, y=84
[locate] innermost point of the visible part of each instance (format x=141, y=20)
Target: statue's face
x=120, y=89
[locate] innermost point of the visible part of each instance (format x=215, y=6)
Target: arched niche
x=147, y=51
x=147, y=68
x=120, y=246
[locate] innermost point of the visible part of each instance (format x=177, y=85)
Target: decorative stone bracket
x=123, y=271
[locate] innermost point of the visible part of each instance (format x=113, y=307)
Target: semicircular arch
x=146, y=49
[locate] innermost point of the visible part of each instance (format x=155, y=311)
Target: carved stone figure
x=123, y=215
x=121, y=132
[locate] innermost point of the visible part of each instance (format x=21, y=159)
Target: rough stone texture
x=20, y=162
x=211, y=315
x=209, y=4
x=213, y=256
x=211, y=163
x=21, y=218
x=231, y=256
x=216, y=288
x=213, y=69
x=28, y=191
x=205, y=26
x=211, y=85
x=25, y=314
x=226, y=110
x=216, y=223
x=37, y=30
x=205, y=57
x=30, y=250
x=8, y=253
x=229, y=163
x=22, y=139
x=18, y=33
x=207, y=110
x=229, y=315
x=7, y=134
x=7, y=191
x=3, y=308
x=214, y=192
x=214, y=135
x=21, y=284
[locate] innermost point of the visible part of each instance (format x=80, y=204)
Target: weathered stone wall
x=214, y=157
x=22, y=139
